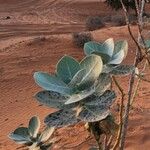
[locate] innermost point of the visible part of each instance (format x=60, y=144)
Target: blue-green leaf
x=117, y=58
x=98, y=49
x=51, y=99
x=106, y=99
x=96, y=108
x=34, y=126
x=93, y=113
x=77, y=78
x=91, y=47
x=122, y=70
x=20, y=135
x=61, y=118
x=93, y=65
x=108, y=47
x=80, y=96
x=67, y=67
x=121, y=46
x=51, y=83
x=104, y=82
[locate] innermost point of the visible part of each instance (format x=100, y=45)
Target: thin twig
x=138, y=84
x=110, y=142
x=120, y=114
x=105, y=142
x=139, y=54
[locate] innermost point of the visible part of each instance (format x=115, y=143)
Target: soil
x=34, y=35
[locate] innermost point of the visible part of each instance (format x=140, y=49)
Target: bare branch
x=120, y=114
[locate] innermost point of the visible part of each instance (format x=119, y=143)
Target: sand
x=34, y=35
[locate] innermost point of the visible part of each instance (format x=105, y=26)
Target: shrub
x=93, y=23
x=116, y=4
x=118, y=20
x=80, y=92
x=79, y=39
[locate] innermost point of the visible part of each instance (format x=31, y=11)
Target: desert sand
x=34, y=34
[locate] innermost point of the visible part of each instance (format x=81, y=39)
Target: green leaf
x=46, y=134
x=67, y=67
x=93, y=65
x=20, y=135
x=80, y=96
x=93, y=113
x=122, y=70
x=104, y=82
x=61, y=118
x=108, y=47
x=51, y=99
x=77, y=78
x=51, y=83
x=105, y=57
x=34, y=126
x=91, y=47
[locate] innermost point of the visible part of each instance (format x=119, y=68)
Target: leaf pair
x=111, y=53
x=91, y=109
x=71, y=76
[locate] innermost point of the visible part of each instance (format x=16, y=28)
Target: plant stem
x=120, y=114
x=96, y=131
x=138, y=84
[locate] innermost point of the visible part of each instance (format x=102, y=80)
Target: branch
x=120, y=114
x=139, y=54
x=137, y=60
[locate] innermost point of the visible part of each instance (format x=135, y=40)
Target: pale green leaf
x=117, y=58
x=46, y=134
x=93, y=65
x=108, y=47
x=77, y=78
x=51, y=83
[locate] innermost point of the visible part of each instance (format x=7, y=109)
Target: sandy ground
x=23, y=50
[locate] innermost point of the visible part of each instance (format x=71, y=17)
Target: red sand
x=22, y=53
